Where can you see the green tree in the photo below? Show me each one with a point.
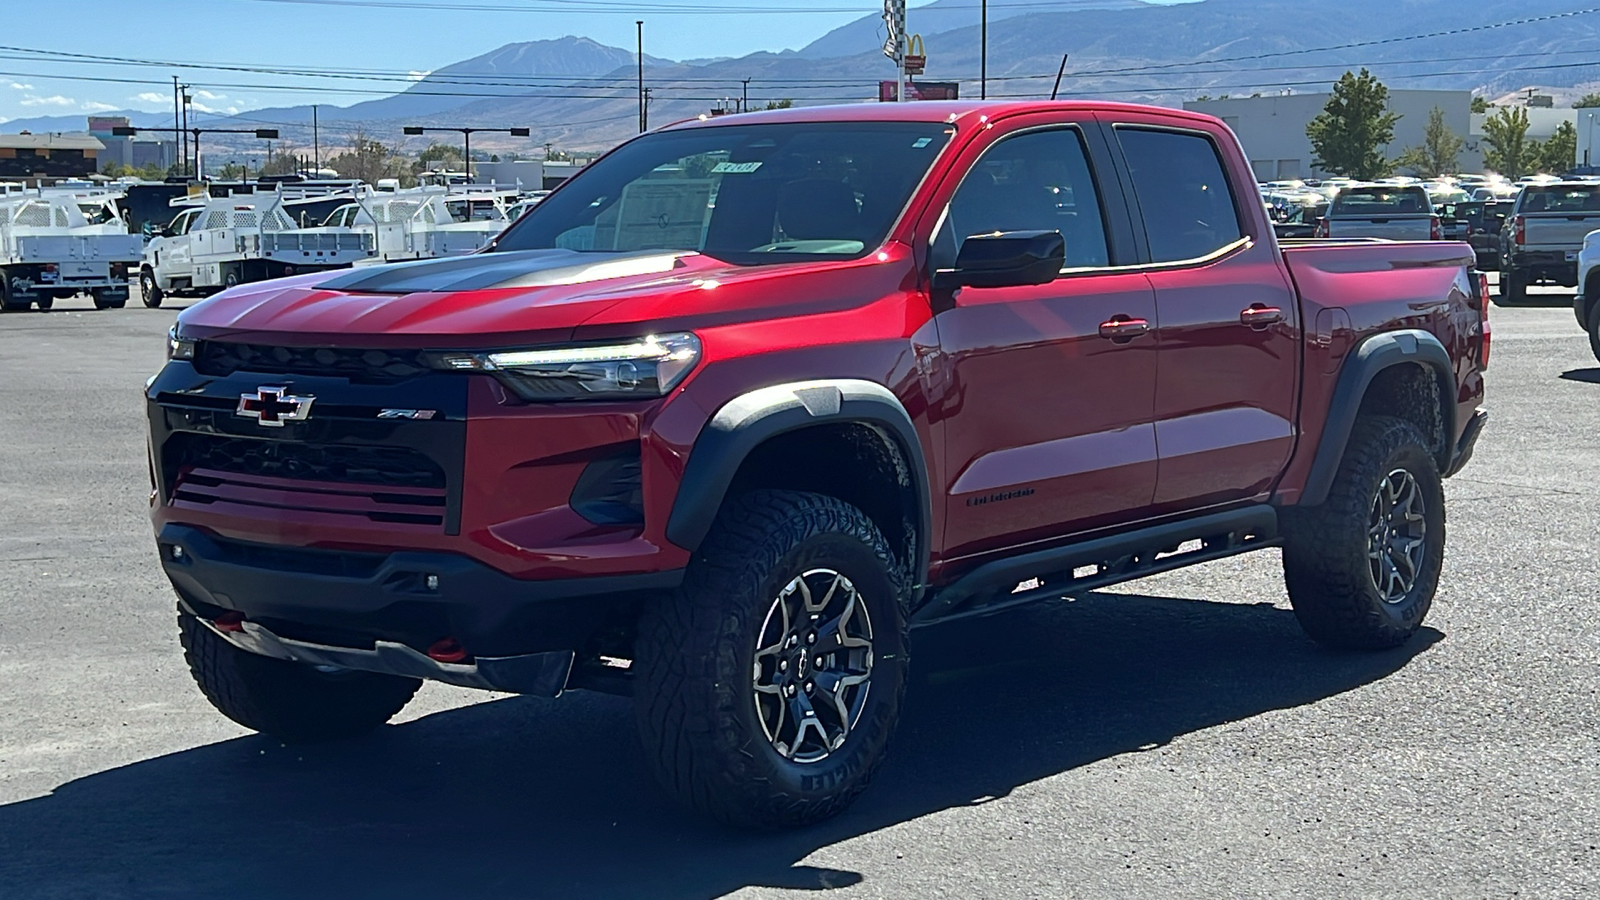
(1440, 151)
(448, 154)
(1480, 105)
(1349, 134)
(1560, 152)
(1587, 101)
(1506, 134)
(370, 160)
(779, 104)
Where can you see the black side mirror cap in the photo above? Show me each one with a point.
(1007, 259)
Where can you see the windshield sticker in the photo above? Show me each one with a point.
(919, 143)
(733, 168)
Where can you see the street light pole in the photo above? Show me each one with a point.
(263, 133)
(640, 24)
(466, 137)
(983, 52)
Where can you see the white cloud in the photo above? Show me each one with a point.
(54, 100)
(153, 97)
(214, 110)
(19, 86)
(207, 95)
(96, 106)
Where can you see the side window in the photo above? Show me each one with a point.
(1182, 191)
(1038, 181)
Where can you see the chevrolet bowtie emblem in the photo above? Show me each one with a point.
(273, 406)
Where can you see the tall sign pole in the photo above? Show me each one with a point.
(640, 25)
(894, 20)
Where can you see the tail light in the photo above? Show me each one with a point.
(1519, 229)
(1483, 319)
(1435, 229)
(51, 267)
(119, 270)
(1322, 228)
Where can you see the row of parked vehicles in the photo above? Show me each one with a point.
(62, 241)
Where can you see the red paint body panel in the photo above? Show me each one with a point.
(1010, 390)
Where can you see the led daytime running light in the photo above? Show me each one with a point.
(649, 349)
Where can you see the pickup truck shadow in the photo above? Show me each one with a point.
(1588, 376)
(526, 797)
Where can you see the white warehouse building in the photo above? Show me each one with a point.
(1272, 128)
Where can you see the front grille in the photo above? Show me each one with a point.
(343, 464)
(220, 359)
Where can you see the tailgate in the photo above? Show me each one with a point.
(80, 248)
(1546, 231)
(1408, 228)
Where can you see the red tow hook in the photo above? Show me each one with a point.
(230, 621)
(447, 650)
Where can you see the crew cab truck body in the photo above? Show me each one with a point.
(733, 410)
(1389, 211)
(237, 240)
(1543, 235)
(49, 251)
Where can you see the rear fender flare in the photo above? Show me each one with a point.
(1372, 356)
(745, 422)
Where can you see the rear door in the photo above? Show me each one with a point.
(1046, 392)
(1229, 321)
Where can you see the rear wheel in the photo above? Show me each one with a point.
(1362, 568)
(290, 701)
(104, 299)
(1513, 287)
(8, 300)
(767, 687)
(1594, 329)
(45, 302)
(149, 291)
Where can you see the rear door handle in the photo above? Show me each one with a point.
(1259, 317)
(1123, 329)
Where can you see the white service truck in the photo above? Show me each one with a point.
(421, 223)
(214, 244)
(50, 251)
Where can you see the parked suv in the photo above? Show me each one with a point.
(734, 410)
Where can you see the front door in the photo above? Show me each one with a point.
(1229, 330)
(1048, 390)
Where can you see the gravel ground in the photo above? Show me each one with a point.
(1175, 738)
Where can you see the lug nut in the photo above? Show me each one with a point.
(783, 665)
(811, 687)
(432, 582)
(811, 638)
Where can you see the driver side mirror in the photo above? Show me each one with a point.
(166, 231)
(1006, 259)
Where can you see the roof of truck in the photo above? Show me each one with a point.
(932, 111)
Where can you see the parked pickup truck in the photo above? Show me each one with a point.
(723, 419)
(1586, 304)
(1394, 212)
(1544, 234)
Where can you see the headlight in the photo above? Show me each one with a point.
(648, 367)
(178, 347)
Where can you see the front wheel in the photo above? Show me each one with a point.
(149, 291)
(767, 686)
(1594, 329)
(1363, 567)
(292, 702)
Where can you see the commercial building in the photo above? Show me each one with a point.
(134, 152)
(53, 155)
(1273, 127)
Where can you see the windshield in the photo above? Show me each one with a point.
(1381, 201)
(746, 194)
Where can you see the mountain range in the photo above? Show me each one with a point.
(576, 93)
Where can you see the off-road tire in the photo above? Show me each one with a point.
(1325, 556)
(1513, 288)
(696, 648)
(150, 292)
(289, 701)
(1594, 329)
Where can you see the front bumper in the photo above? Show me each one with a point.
(362, 601)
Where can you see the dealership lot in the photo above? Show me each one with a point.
(1179, 737)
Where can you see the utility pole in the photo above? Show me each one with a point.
(640, 24)
(644, 123)
(177, 123)
(744, 101)
(316, 144)
(183, 136)
(983, 52)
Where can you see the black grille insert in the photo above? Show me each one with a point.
(387, 466)
(220, 358)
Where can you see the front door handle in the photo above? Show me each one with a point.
(1260, 317)
(1123, 329)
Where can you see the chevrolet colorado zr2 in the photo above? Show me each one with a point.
(724, 419)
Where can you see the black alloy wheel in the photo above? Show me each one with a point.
(1397, 536)
(813, 666)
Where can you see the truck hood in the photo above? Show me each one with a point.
(489, 299)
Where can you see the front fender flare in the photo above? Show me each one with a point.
(1373, 355)
(745, 422)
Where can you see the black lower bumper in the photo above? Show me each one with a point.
(1550, 265)
(340, 599)
(1469, 442)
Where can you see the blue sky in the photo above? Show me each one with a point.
(365, 34)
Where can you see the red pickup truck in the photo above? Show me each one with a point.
(724, 418)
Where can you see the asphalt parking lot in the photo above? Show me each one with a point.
(1177, 738)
